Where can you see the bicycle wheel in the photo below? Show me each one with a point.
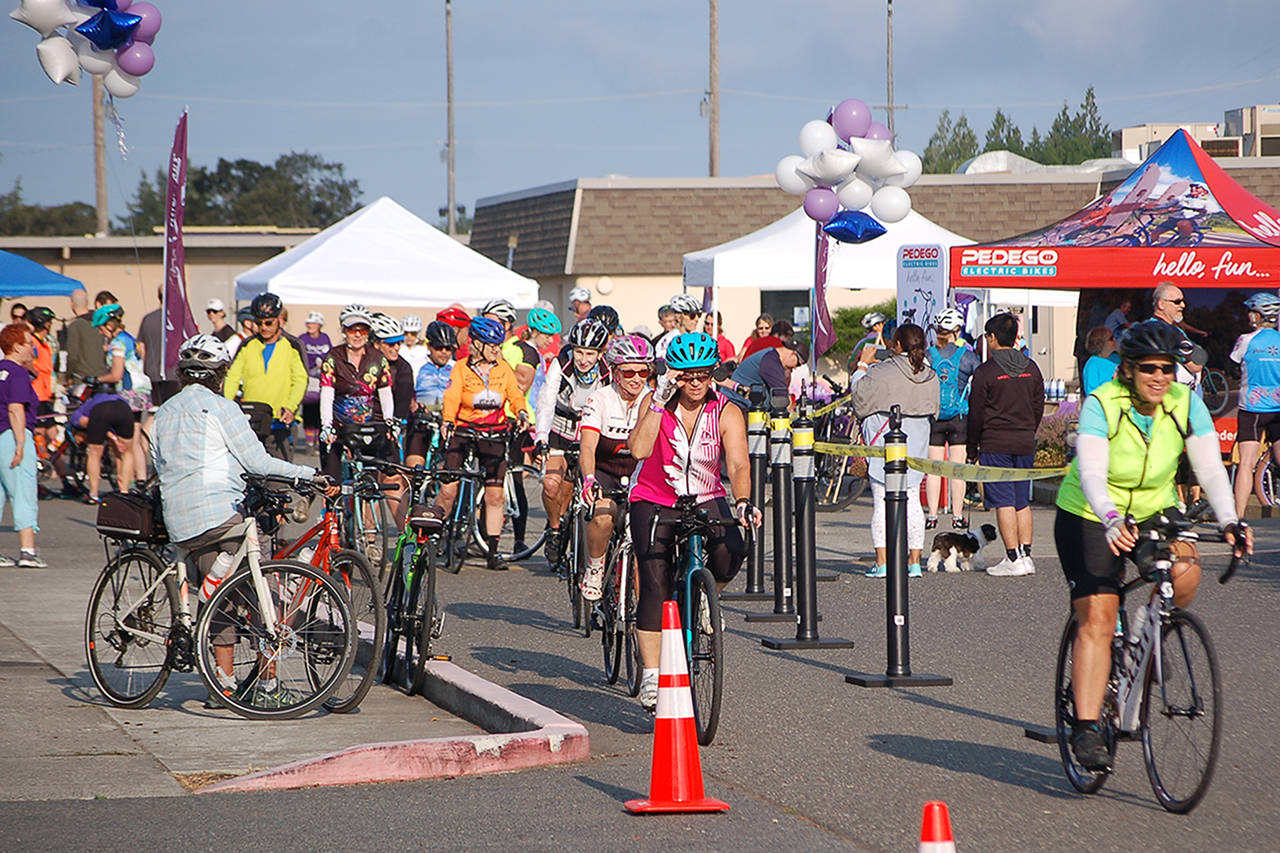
(839, 483)
(131, 615)
(1266, 478)
(1181, 717)
(630, 639)
(576, 563)
(706, 653)
(370, 616)
(457, 531)
(291, 671)
(1216, 390)
(427, 620)
(1064, 714)
(395, 598)
(611, 625)
(374, 537)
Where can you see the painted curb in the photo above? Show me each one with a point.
(523, 734)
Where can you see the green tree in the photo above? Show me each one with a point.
(17, 218)
(146, 208)
(950, 144)
(848, 327)
(1073, 138)
(1004, 135)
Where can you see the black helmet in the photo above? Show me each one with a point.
(441, 335)
(608, 316)
(265, 305)
(589, 334)
(40, 317)
(1154, 337)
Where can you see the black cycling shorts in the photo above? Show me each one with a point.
(952, 431)
(1087, 561)
(555, 441)
(111, 416)
(1252, 426)
(491, 453)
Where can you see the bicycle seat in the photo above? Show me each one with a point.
(427, 518)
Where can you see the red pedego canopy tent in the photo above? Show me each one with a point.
(1178, 217)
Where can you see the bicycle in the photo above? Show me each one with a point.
(1217, 390)
(841, 479)
(368, 528)
(290, 623)
(321, 547)
(572, 546)
(460, 528)
(1170, 675)
(615, 613)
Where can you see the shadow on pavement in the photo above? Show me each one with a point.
(479, 611)
(614, 792)
(615, 710)
(1033, 772)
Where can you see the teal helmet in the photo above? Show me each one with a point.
(106, 313)
(542, 320)
(691, 350)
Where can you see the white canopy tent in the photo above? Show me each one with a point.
(384, 255)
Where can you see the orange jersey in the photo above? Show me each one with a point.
(43, 382)
(472, 401)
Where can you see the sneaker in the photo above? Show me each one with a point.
(877, 572)
(914, 571)
(1026, 565)
(31, 560)
(1090, 748)
(519, 547)
(1007, 568)
(373, 550)
(649, 693)
(281, 697)
(494, 562)
(212, 702)
(552, 548)
(7, 561)
(92, 500)
(931, 522)
(593, 583)
(958, 523)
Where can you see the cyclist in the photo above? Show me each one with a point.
(413, 350)
(388, 338)
(1132, 431)
(1259, 413)
(124, 365)
(41, 320)
(524, 360)
(609, 416)
(544, 328)
(687, 311)
(572, 377)
(874, 324)
(481, 386)
(269, 373)
(315, 346)
(607, 315)
(433, 377)
(457, 317)
(105, 412)
(351, 375)
(202, 444)
(954, 362)
(580, 303)
(684, 434)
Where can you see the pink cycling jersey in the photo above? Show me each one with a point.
(683, 464)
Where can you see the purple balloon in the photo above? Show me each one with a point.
(123, 5)
(851, 118)
(150, 23)
(876, 131)
(820, 204)
(136, 59)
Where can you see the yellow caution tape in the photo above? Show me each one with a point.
(832, 406)
(840, 449)
(951, 470)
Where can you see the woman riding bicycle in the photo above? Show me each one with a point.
(1132, 432)
(606, 462)
(686, 430)
(480, 388)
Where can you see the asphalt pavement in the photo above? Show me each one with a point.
(805, 759)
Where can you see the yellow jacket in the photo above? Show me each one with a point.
(280, 384)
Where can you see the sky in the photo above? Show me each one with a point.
(550, 91)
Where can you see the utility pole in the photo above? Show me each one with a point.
(99, 158)
(713, 93)
(893, 135)
(451, 215)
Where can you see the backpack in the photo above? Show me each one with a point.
(953, 400)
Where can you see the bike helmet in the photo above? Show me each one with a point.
(455, 317)
(1153, 337)
(107, 312)
(386, 329)
(588, 334)
(500, 308)
(579, 294)
(202, 355)
(411, 323)
(683, 303)
(542, 320)
(692, 349)
(629, 349)
(949, 319)
(441, 335)
(354, 314)
(487, 331)
(1266, 304)
(40, 317)
(607, 315)
(315, 317)
(873, 318)
(265, 306)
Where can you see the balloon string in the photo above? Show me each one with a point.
(109, 105)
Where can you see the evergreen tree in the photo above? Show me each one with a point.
(1004, 135)
(950, 145)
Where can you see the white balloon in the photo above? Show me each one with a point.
(910, 161)
(890, 204)
(91, 60)
(43, 16)
(877, 158)
(791, 182)
(816, 136)
(855, 193)
(120, 84)
(830, 167)
(58, 59)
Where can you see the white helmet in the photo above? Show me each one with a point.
(353, 314)
(873, 318)
(315, 317)
(412, 323)
(500, 308)
(386, 329)
(579, 294)
(683, 303)
(200, 355)
(948, 319)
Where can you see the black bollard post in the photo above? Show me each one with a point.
(758, 449)
(784, 605)
(898, 629)
(806, 540)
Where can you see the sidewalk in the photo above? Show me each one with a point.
(61, 740)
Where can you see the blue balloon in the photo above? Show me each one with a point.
(109, 30)
(99, 4)
(853, 226)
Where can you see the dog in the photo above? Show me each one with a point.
(961, 552)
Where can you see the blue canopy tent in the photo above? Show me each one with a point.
(21, 276)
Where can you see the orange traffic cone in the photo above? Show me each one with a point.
(935, 831)
(675, 784)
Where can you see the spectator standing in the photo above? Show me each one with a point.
(667, 322)
(17, 313)
(85, 354)
(770, 369)
(763, 327)
(268, 369)
(1103, 359)
(150, 343)
(17, 430)
(1006, 404)
(216, 310)
(315, 346)
(954, 362)
(714, 326)
(1118, 319)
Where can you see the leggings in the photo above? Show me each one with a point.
(915, 517)
(724, 555)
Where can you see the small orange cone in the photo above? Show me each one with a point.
(935, 831)
(675, 783)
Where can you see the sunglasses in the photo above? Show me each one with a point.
(695, 376)
(625, 373)
(1177, 301)
(1152, 369)
(356, 330)
(268, 321)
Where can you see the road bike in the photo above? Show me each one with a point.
(368, 520)
(571, 545)
(1164, 688)
(287, 625)
(841, 479)
(615, 613)
(1217, 390)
